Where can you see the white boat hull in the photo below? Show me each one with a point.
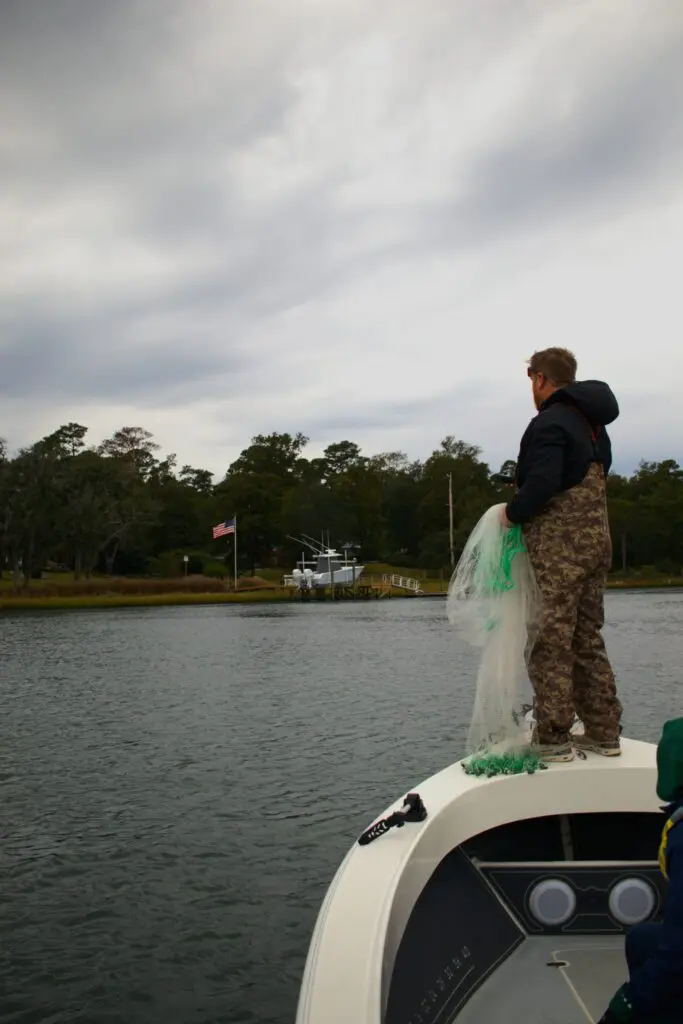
(342, 577)
(345, 576)
(352, 972)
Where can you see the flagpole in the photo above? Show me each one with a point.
(235, 545)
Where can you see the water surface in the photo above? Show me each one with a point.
(179, 785)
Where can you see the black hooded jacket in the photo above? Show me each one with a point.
(558, 446)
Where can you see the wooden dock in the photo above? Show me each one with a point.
(365, 588)
(362, 590)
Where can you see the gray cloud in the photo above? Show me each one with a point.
(78, 361)
(388, 414)
(625, 135)
(142, 136)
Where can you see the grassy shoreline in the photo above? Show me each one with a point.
(18, 602)
(10, 601)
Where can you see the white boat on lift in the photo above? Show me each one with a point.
(495, 899)
(326, 565)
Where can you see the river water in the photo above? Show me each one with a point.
(179, 785)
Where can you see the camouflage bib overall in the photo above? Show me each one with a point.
(570, 549)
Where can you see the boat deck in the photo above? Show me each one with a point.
(526, 989)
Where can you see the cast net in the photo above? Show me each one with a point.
(492, 600)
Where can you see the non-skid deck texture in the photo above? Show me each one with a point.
(525, 990)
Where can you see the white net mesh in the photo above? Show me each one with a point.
(492, 600)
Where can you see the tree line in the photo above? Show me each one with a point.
(119, 507)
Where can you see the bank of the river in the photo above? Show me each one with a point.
(60, 602)
(12, 602)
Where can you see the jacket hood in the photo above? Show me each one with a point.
(594, 398)
(670, 762)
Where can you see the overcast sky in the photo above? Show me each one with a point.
(351, 218)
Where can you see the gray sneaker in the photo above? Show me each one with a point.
(605, 749)
(553, 752)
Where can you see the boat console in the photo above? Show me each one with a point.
(554, 895)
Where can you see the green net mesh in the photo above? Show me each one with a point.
(512, 544)
(501, 579)
(513, 763)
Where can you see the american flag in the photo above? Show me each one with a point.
(223, 529)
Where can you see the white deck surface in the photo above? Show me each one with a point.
(525, 989)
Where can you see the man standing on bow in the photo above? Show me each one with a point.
(560, 500)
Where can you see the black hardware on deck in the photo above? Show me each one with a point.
(413, 810)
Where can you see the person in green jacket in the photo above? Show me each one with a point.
(654, 952)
